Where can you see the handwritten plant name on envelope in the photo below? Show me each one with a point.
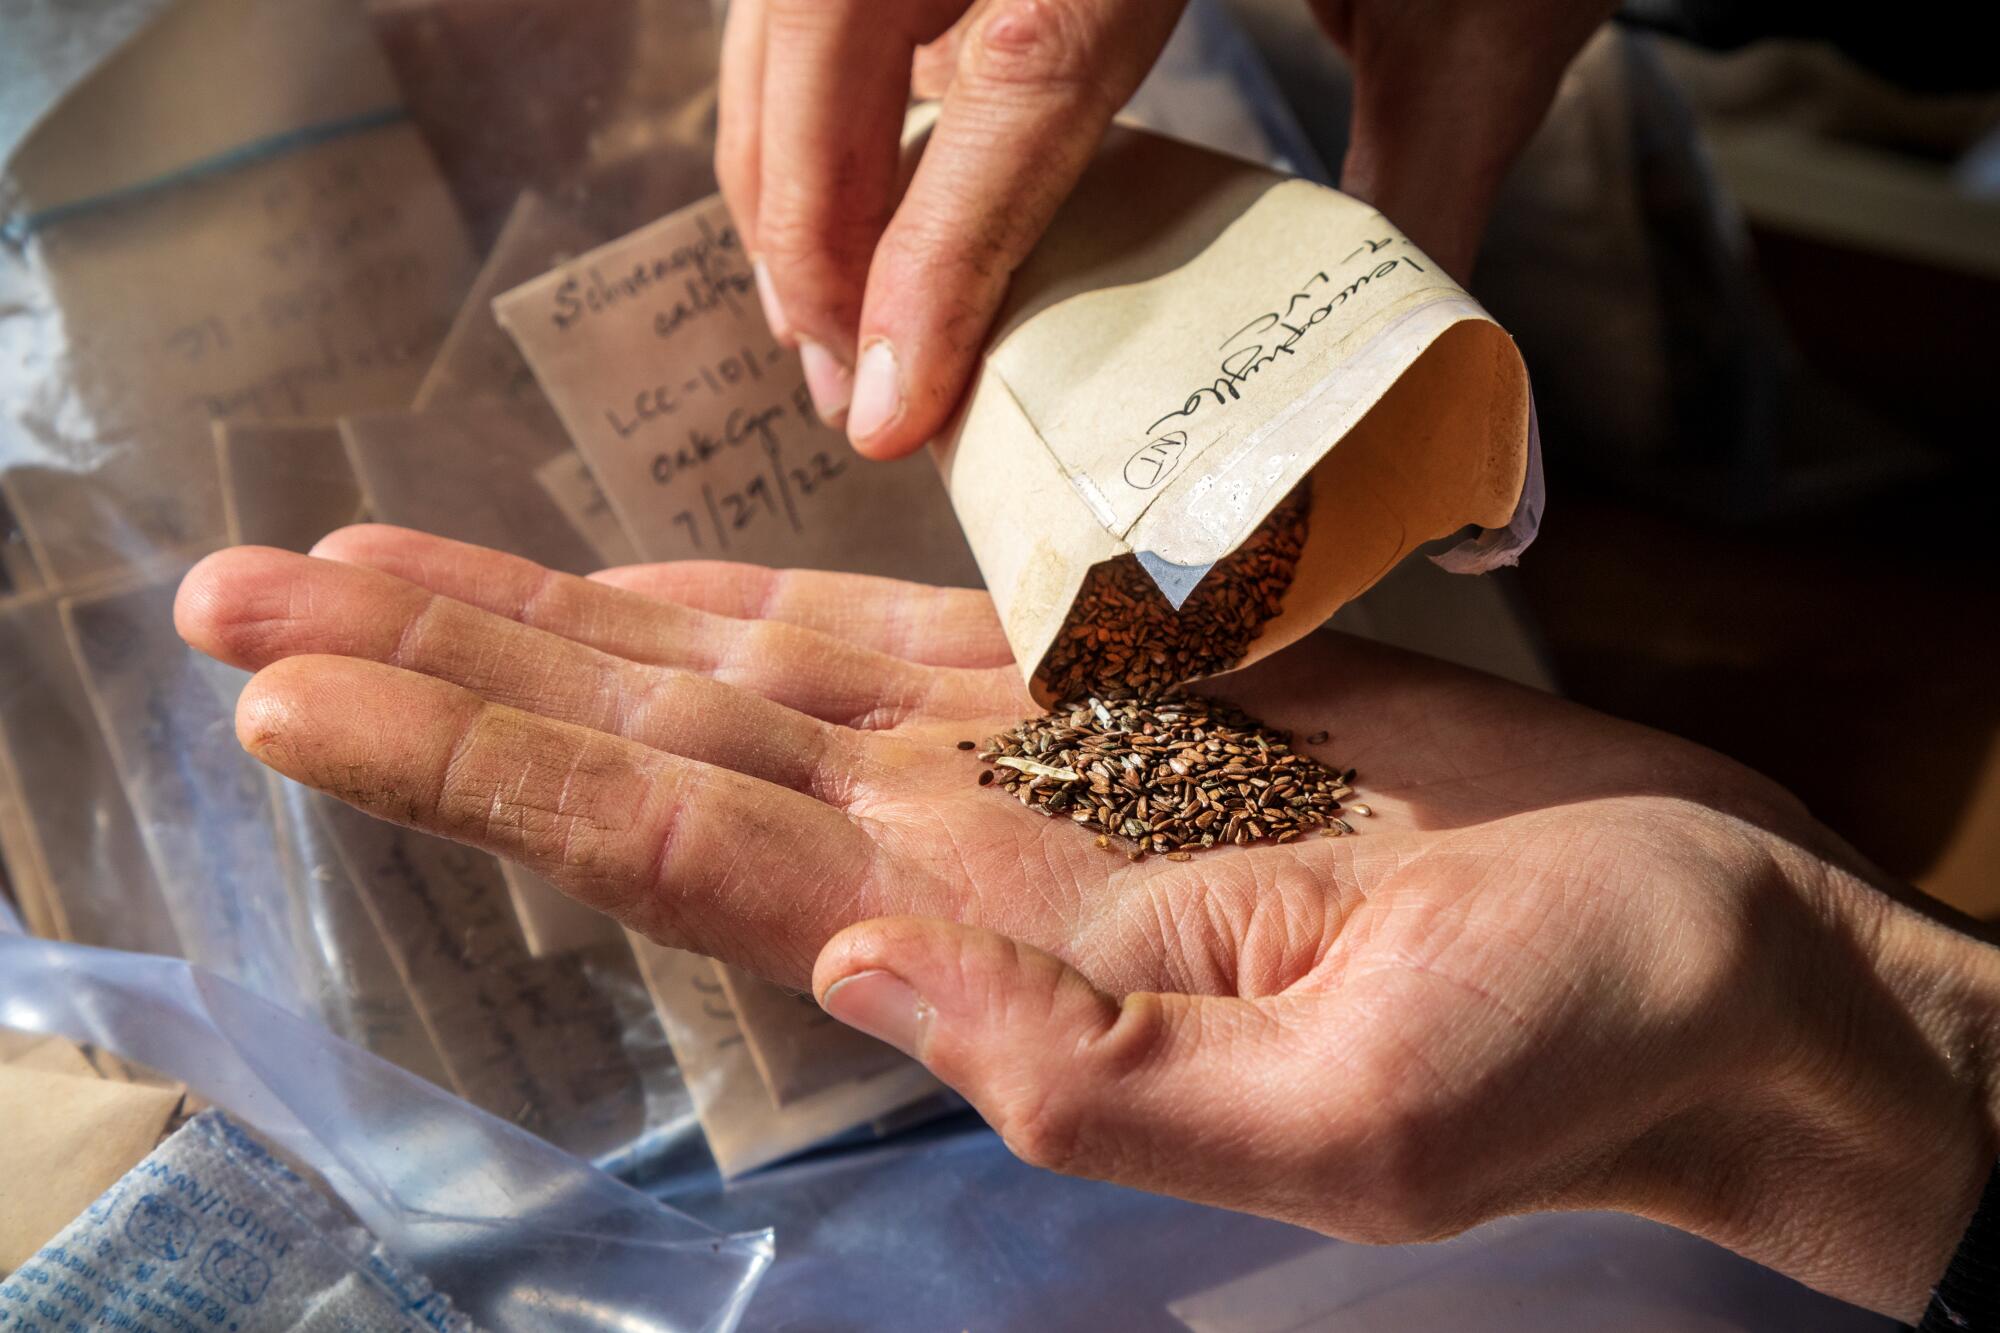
(699, 426)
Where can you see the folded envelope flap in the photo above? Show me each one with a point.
(1031, 533)
(1443, 446)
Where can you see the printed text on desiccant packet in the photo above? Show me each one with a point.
(212, 1233)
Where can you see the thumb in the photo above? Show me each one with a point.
(1192, 1096)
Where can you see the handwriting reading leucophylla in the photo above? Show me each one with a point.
(1278, 333)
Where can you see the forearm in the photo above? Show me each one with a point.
(1852, 1153)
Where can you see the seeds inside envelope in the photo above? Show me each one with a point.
(1129, 753)
(1124, 637)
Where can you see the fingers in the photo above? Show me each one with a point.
(788, 664)
(1441, 109)
(1035, 84)
(685, 853)
(251, 607)
(1199, 1097)
(835, 83)
(739, 111)
(954, 627)
(930, 72)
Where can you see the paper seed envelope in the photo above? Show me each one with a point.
(1194, 337)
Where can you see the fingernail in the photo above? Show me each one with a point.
(878, 392)
(829, 380)
(767, 296)
(880, 1004)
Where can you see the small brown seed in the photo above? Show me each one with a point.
(1165, 773)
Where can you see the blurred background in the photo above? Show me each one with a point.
(1759, 293)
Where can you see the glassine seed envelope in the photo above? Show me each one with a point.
(1194, 337)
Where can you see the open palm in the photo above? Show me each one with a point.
(1507, 990)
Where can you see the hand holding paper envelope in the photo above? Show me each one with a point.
(887, 285)
(1194, 337)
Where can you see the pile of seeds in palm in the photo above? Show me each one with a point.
(1150, 767)
(1173, 775)
(1124, 637)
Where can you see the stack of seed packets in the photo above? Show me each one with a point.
(702, 440)
(279, 249)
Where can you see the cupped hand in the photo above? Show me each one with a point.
(888, 287)
(1566, 963)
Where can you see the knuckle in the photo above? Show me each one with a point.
(1404, 1163)
(1044, 1128)
(1032, 45)
(818, 264)
(758, 644)
(804, 227)
(783, 18)
(640, 704)
(1133, 1040)
(1054, 1125)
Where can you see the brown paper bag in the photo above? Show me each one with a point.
(515, 94)
(21, 880)
(70, 1134)
(798, 1047)
(467, 470)
(285, 484)
(477, 358)
(537, 1041)
(1193, 339)
(76, 839)
(19, 573)
(201, 803)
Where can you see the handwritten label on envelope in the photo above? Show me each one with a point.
(746, 1128)
(1192, 339)
(699, 426)
(229, 218)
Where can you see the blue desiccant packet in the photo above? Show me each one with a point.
(213, 1232)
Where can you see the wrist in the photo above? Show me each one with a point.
(1849, 1144)
(1948, 984)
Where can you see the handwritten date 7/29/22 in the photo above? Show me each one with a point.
(775, 492)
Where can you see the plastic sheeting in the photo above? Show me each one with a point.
(520, 1235)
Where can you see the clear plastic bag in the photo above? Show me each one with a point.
(945, 1229)
(197, 310)
(520, 1235)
